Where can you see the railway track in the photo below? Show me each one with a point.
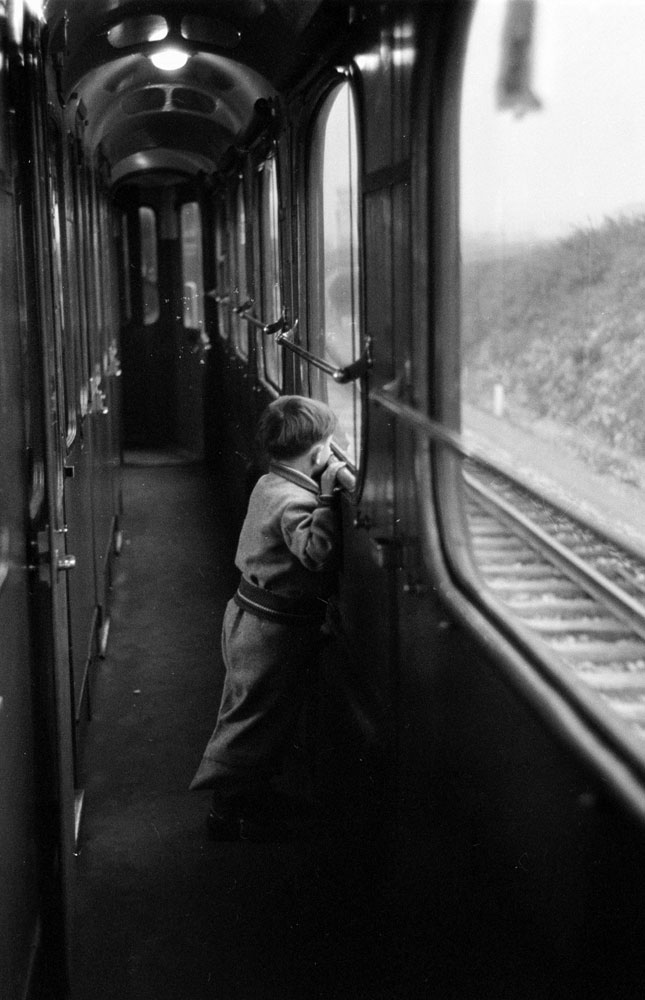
(582, 594)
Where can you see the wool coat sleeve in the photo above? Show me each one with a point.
(311, 534)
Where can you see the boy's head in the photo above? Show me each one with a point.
(292, 425)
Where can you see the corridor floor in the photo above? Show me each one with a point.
(162, 912)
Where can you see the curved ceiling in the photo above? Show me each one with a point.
(239, 54)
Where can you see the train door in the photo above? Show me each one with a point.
(21, 489)
(46, 428)
(163, 338)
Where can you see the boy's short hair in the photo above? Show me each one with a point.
(291, 425)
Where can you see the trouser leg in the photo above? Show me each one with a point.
(267, 677)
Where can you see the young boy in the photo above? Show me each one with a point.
(287, 555)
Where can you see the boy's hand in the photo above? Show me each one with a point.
(335, 472)
(346, 479)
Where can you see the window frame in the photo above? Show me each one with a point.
(515, 654)
(270, 354)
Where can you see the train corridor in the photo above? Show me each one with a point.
(161, 911)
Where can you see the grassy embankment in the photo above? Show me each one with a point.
(561, 326)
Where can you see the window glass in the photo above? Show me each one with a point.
(335, 323)
(191, 265)
(271, 304)
(64, 339)
(221, 281)
(79, 267)
(552, 210)
(107, 277)
(149, 271)
(98, 258)
(72, 299)
(240, 284)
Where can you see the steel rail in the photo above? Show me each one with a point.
(622, 604)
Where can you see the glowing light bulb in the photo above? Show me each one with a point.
(169, 59)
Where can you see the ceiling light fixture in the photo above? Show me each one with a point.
(169, 58)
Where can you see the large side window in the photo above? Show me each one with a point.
(240, 282)
(552, 216)
(333, 221)
(191, 264)
(80, 242)
(149, 269)
(73, 301)
(221, 277)
(66, 333)
(271, 301)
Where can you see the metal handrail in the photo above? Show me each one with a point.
(283, 332)
(242, 311)
(350, 373)
(425, 425)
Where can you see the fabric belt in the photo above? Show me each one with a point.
(277, 608)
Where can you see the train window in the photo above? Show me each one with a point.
(107, 276)
(137, 31)
(221, 281)
(98, 333)
(73, 347)
(552, 213)
(73, 300)
(239, 278)
(64, 339)
(125, 261)
(271, 302)
(191, 262)
(334, 301)
(79, 268)
(149, 272)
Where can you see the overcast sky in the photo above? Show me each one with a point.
(582, 157)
